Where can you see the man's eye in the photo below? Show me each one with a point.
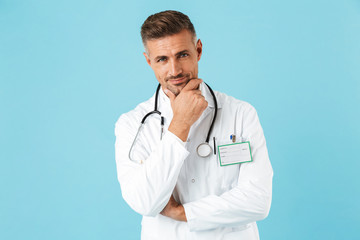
(161, 59)
(184, 55)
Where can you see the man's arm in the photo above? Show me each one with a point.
(147, 187)
(249, 201)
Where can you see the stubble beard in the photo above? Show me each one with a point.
(176, 89)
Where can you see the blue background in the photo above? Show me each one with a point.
(68, 69)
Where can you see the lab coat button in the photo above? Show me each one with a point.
(192, 180)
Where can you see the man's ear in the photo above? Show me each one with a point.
(199, 49)
(147, 58)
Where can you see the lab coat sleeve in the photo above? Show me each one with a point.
(250, 199)
(147, 187)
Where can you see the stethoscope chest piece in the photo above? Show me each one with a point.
(204, 150)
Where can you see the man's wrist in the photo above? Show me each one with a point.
(180, 129)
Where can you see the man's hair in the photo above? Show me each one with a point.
(165, 24)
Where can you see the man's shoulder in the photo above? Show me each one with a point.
(227, 101)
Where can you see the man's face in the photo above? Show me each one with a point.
(174, 59)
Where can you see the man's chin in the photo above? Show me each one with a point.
(177, 89)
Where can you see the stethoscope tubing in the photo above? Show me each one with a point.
(156, 111)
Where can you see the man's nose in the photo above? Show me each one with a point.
(175, 68)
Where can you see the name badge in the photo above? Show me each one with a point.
(234, 153)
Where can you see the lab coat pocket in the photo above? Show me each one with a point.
(229, 174)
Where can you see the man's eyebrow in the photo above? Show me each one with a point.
(182, 52)
(160, 57)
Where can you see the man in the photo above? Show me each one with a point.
(180, 194)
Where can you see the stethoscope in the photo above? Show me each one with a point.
(203, 150)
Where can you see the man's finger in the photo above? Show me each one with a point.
(197, 92)
(169, 94)
(193, 84)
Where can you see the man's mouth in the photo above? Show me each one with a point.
(179, 81)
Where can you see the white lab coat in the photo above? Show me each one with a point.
(220, 202)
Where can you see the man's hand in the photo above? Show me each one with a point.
(174, 210)
(187, 108)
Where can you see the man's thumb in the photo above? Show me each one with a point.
(170, 94)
